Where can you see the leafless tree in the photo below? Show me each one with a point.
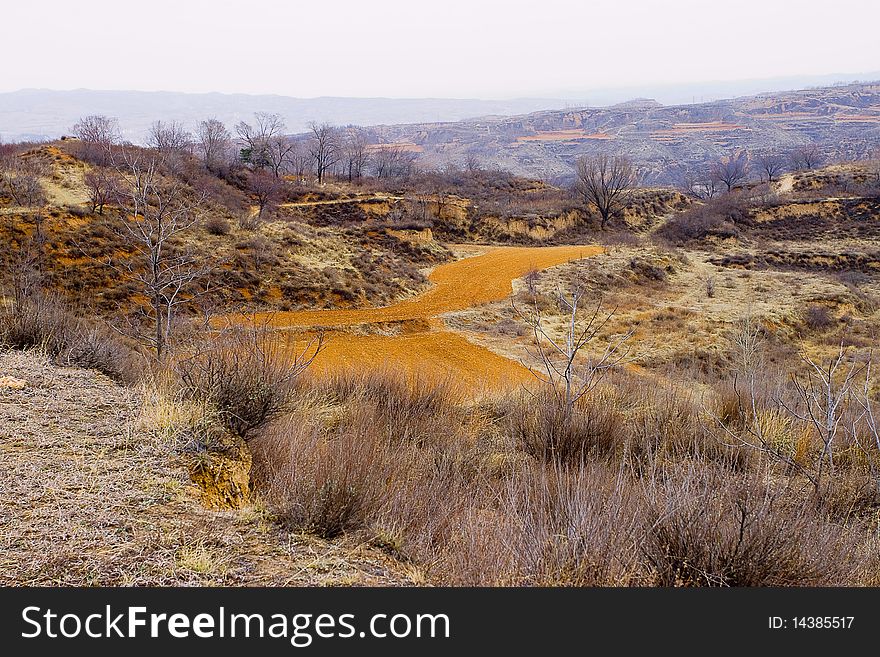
(605, 183)
(698, 185)
(393, 161)
(324, 148)
(258, 142)
(169, 139)
(561, 370)
(97, 134)
(825, 392)
(750, 430)
(472, 164)
(266, 190)
(354, 155)
(824, 395)
(805, 157)
(214, 143)
(20, 179)
(870, 422)
(770, 165)
(300, 159)
(158, 211)
(281, 150)
(102, 185)
(731, 170)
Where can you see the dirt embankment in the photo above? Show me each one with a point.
(86, 499)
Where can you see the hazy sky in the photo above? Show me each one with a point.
(411, 48)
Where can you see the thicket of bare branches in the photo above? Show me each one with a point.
(731, 171)
(605, 183)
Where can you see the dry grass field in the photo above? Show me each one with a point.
(417, 447)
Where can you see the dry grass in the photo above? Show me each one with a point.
(493, 496)
(93, 496)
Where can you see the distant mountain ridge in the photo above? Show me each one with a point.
(844, 120)
(42, 113)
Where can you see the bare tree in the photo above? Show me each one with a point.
(281, 152)
(731, 170)
(354, 155)
(266, 190)
(158, 211)
(472, 164)
(214, 143)
(98, 134)
(825, 392)
(102, 185)
(324, 148)
(805, 157)
(870, 422)
(699, 185)
(169, 139)
(393, 161)
(300, 159)
(605, 183)
(561, 370)
(770, 165)
(257, 141)
(20, 179)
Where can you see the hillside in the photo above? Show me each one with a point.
(844, 121)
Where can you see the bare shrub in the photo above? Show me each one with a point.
(719, 217)
(217, 225)
(544, 427)
(706, 530)
(549, 526)
(43, 322)
(353, 476)
(817, 317)
(248, 375)
(405, 408)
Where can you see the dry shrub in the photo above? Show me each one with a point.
(633, 492)
(406, 408)
(542, 426)
(248, 375)
(817, 317)
(328, 478)
(218, 225)
(44, 323)
(549, 525)
(710, 529)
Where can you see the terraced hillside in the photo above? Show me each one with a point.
(843, 120)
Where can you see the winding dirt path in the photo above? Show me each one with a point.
(423, 344)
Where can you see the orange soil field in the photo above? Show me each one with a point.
(431, 349)
(563, 135)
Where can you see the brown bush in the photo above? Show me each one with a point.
(544, 428)
(218, 225)
(634, 491)
(548, 525)
(247, 375)
(44, 323)
(706, 529)
(817, 317)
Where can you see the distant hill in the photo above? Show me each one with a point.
(42, 114)
(844, 120)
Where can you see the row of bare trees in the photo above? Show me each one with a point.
(262, 145)
(736, 169)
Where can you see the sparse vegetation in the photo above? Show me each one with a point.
(713, 427)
